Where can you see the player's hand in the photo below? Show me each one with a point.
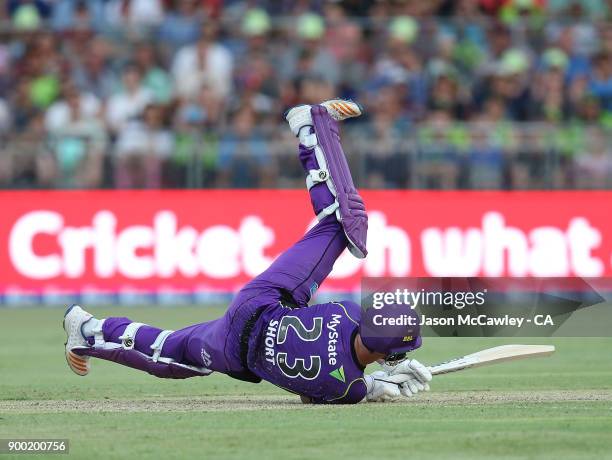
(412, 386)
(419, 373)
(404, 379)
(381, 387)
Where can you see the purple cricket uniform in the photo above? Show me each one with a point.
(307, 350)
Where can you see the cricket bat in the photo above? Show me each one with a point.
(492, 356)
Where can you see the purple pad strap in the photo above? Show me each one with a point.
(353, 216)
(140, 361)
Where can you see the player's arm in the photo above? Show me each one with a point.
(405, 379)
(355, 392)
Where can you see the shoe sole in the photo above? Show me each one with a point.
(344, 106)
(77, 364)
(340, 105)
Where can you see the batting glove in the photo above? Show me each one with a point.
(382, 388)
(419, 375)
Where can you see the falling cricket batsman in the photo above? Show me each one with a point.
(269, 331)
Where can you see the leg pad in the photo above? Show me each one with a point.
(333, 169)
(163, 367)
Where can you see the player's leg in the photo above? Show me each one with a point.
(163, 353)
(326, 167)
(300, 270)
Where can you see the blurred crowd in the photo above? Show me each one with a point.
(190, 93)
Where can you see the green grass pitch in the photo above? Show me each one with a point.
(556, 407)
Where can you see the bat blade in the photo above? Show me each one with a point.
(492, 356)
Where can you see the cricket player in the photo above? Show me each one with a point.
(269, 332)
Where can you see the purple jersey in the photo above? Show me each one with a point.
(309, 351)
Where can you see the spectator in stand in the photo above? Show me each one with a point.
(438, 157)
(549, 102)
(93, 71)
(22, 106)
(70, 15)
(41, 7)
(198, 124)
(130, 101)
(485, 162)
(142, 147)
(134, 13)
(32, 165)
(154, 77)
(149, 134)
(255, 35)
(45, 66)
(344, 37)
(445, 93)
(594, 167)
(205, 62)
(204, 111)
(511, 83)
(28, 14)
(562, 38)
(600, 84)
(181, 24)
(71, 105)
(255, 75)
(386, 156)
(313, 87)
(582, 105)
(244, 157)
(399, 64)
(309, 55)
(498, 41)
(78, 138)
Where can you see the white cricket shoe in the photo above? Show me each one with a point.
(341, 109)
(74, 318)
(338, 109)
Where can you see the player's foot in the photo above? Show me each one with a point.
(338, 109)
(74, 318)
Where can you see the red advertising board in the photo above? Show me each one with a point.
(216, 240)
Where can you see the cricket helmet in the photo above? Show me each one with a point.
(392, 330)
